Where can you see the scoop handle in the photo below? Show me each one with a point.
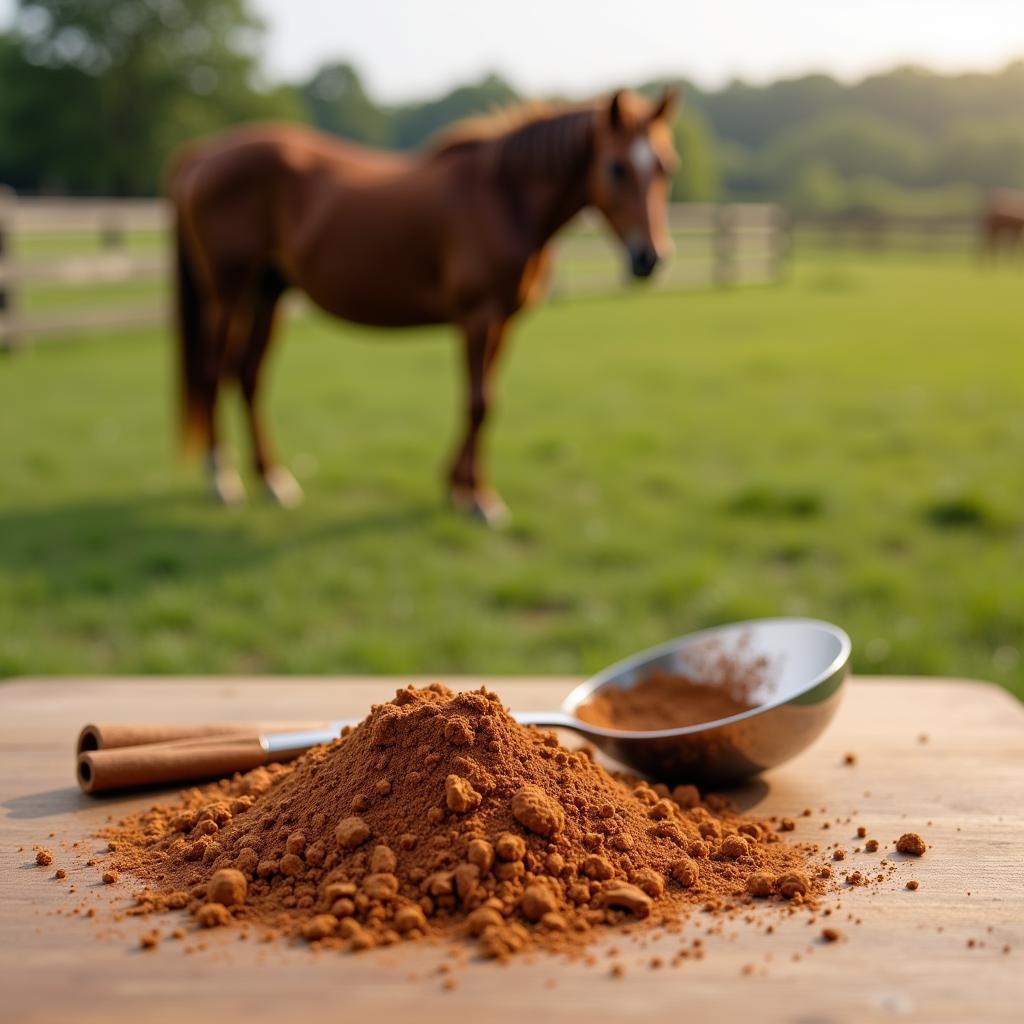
(549, 720)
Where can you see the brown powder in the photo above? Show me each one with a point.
(485, 828)
(661, 701)
(721, 680)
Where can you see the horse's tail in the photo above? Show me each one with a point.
(191, 357)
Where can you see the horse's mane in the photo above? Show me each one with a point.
(527, 133)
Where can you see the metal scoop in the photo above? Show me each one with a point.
(794, 700)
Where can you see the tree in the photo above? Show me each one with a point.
(696, 178)
(853, 143)
(989, 153)
(816, 188)
(417, 123)
(338, 103)
(107, 88)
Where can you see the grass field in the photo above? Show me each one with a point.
(849, 445)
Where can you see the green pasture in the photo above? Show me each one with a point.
(847, 445)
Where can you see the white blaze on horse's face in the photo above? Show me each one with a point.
(643, 157)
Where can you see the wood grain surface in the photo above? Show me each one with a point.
(908, 958)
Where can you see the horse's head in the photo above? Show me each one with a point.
(629, 176)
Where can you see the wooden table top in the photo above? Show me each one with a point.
(962, 788)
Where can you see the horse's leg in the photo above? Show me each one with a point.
(484, 338)
(281, 486)
(222, 328)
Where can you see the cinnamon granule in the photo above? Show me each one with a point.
(44, 858)
(486, 829)
(911, 843)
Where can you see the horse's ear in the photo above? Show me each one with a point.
(667, 104)
(615, 111)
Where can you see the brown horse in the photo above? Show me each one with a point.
(1002, 221)
(458, 234)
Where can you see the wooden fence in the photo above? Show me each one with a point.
(52, 251)
(866, 232)
(55, 252)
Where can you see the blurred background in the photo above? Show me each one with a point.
(817, 409)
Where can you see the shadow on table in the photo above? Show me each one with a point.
(746, 797)
(70, 800)
(47, 804)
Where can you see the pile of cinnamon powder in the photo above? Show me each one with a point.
(440, 816)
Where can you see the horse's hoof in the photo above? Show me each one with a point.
(227, 487)
(481, 504)
(282, 488)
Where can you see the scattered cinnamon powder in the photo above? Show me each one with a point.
(486, 828)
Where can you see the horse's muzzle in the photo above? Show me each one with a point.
(642, 260)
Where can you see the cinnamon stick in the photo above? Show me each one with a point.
(154, 763)
(109, 735)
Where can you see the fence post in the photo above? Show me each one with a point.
(8, 333)
(782, 244)
(111, 231)
(725, 245)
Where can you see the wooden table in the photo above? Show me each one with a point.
(963, 789)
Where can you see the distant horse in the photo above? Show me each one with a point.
(1002, 221)
(458, 234)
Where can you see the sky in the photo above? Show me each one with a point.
(409, 49)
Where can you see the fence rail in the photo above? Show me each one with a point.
(876, 233)
(53, 251)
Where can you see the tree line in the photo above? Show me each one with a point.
(96, 94)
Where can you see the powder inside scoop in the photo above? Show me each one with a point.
(661, 702)
(719, 681)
